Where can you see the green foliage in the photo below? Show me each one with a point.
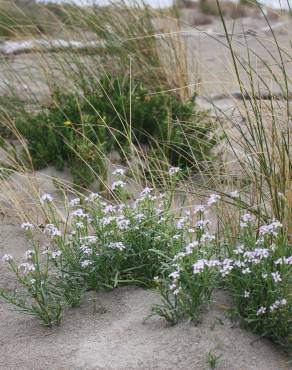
(213, 359)
(81, 131)
(36, 293)
(260, 281)
(188, 283)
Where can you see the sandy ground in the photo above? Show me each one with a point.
(109, 332)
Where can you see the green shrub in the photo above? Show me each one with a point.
(80, 131)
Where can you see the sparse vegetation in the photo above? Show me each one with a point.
(134, 100)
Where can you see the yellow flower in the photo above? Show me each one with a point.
(67, 123)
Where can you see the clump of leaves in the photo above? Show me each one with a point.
(81, 130)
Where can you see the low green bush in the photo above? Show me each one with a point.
(80, 131)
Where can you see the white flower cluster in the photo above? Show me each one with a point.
(200, 265)
(278, 303)
(213, 198)
(27, 267)
(52, 230)
(74, 202)
(79, 213)
(275, 306)
(7, 258)
(119, 172)
(118, 185)
(245, 220)
(270, 229)
(27, 226)
(92, 197)
(174, 276)
(46, 198)
(173, 171)
(117, 245)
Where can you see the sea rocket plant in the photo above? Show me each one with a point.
(102, 244)
(260, 279)
(142, 241)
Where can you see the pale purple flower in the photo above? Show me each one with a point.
(226, 267)
(52, 230)
(27, 267)
(74, 202)
(245, 220)
(173, 170)
(86, 263)
(146, 192)
(79, 225)
(270, 229)
(109, 209)
(122, 223)
(117, 245)
(213, 198)
(202, 224)
(79, 213)
(56, 254)
(277, 304)
(246, 294)
(27, 226)
(200, 209)
(90, 239)
(190, 247)
(199, 266)
(118, 185)
(234, 194)
(46, 198)
(29, 253)
(239, 249)
(119, 172)
(276, 277)
(261, 311)
(177, 291)
(92, 197)
(174, 275)
(86, 250)
(7, 258)
(139, 217)
(212, 263)
(181, 223)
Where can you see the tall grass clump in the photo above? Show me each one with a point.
(257, 241)
(29, 19)
(133, 96)
(260, 139)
